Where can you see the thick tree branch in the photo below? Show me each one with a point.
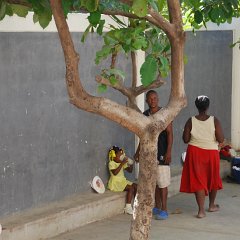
(177, 98)
(161, 22)
(174, 9)
(128, 92)
(118, 85)
(78, 96)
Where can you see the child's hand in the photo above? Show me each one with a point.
(125, 160)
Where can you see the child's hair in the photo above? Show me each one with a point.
(112, 152)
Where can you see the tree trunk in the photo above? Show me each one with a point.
(147, 128)
(144, 199)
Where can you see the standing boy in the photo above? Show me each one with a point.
(165, 141)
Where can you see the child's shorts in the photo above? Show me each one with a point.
(163, 176)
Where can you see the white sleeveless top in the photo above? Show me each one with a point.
(203, 134)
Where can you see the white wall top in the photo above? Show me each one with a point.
(77, 23)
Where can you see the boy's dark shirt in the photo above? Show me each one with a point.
(162, 142)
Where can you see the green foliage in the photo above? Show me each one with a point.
(148, 70)
(3, 6)
(199, 12)
(123, 40)
(10, 9)
(134, 34)
(90, 5)
(115, 72)
(94, 18)
(102, 88)
(42, 12)
(103, 53)
(112, 75)
(21, 11)
(113, 5)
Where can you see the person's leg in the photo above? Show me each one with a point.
(163, 198)
(163, 183)
(212, 206)
(134, 185)
(200, 198)
(130, 191)
(158, 203)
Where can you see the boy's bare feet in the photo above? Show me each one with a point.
(214, 208)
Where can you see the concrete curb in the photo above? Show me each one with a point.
(60, 217)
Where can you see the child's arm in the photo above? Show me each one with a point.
(117, 170)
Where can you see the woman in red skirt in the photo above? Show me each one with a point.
(201, 174)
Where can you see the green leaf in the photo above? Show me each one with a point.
(35, 18)
(140, 7)
(102, 88)
(20, 10)
(90, 5)
(44, 19)
(100, 27)
(167, 47)
(84, 36)
(214, 14)
(198, 17)
(114, 71)
(9, 10)
(153, 5)
(66, 7)
(103, 53)
(164, 66)
(164, 74)
(139, 43)
(117, 20)
(161, 4)
(157, 47)
(94, 18)
(164, 61)
(76, 4)
(235, 3)
(3, 6)
(195, 3)
(113, 80)
(148, 70)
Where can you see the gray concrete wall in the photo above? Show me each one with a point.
(48, 148)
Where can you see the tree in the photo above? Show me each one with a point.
(154, 26)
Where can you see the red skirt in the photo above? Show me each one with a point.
(201, 171)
